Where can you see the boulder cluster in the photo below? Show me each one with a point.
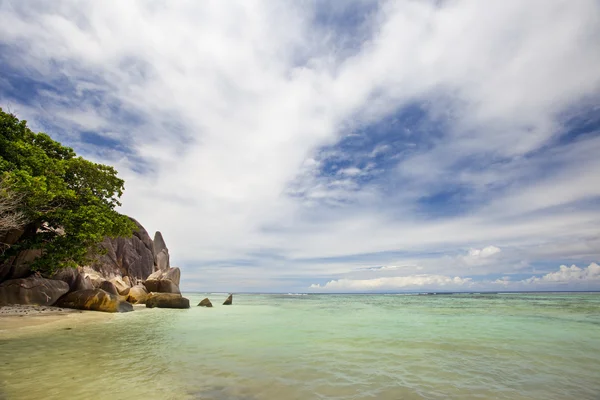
(133, 270)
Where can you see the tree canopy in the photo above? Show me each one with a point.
(69, 201)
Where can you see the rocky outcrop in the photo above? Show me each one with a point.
(164, 281)
(94, 300)
(167, 300)
(229, 300)
(129, 269)
(161, 253)
(109, 287)
(132, 257)
(137, 295)
(32, 290)
(205, 303)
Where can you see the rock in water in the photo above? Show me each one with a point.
(229, 300)
(109, 287)
(95, 300)
(161, 281)
(205, 303)
(137, 295)
(167, 300)
(32, 290)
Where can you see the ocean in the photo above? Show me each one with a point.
(266, 347)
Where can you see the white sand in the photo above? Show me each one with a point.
(18, 320)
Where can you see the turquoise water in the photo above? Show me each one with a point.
(504, 346)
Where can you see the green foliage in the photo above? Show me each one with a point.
(70, 201)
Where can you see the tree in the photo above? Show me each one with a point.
(69, 201)
(10, 216)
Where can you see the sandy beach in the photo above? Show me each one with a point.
(18, 320)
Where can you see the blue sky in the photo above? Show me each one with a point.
(332, 146)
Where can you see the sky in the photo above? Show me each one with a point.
(332, 146)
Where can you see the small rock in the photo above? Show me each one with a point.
(205, 303)
(229, 300)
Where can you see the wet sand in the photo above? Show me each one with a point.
(19, 320)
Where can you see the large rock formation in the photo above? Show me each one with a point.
(32, 290)
(95, 300)
(167, 300)
(228, 301)
(132, 257)
(164, 281)
(161, 253)
(205, 303)
(129, 269)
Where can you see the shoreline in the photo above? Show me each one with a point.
(21, 320)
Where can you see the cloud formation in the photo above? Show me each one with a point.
(566, 278)
(295, 142)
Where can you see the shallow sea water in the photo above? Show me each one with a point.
(266, 347)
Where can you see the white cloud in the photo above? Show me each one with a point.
(566, 278)
(225, 107)
(567, 275)
(480, 256)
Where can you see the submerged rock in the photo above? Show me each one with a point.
(95, 300)
(32, 290)
(205, 303)
(137, 295)
(229, 300)
(167, 300)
